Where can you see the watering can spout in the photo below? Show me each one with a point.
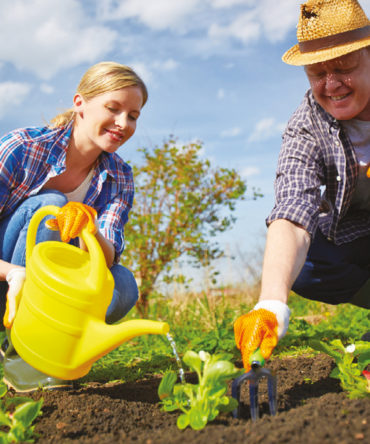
(101, 338)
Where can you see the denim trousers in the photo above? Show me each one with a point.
(334, 274)
(13, 233)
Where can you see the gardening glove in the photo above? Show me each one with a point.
(15, 279)
(71, 219)
(261, 328)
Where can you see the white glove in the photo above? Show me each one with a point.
(280, 310)
(15, 279)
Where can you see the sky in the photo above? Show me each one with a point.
(212, 67)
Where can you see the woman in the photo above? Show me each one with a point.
(71, 164)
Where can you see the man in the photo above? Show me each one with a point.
(318, 244)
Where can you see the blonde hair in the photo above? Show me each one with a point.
(101, 78)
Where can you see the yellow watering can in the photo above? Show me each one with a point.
(60, 325)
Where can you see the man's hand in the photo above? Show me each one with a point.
(71, 219)
(15, 279)
(261, 328)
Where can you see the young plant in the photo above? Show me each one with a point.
(200, 402)
(351, 364)
(16, 424)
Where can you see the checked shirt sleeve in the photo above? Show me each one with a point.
(10, 155)
(113, 219)
(113, 205)
(300, 173)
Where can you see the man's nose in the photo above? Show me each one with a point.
(333, 81)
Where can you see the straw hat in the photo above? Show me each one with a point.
(328, 29)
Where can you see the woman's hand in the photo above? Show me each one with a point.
(72, 218)
(15, 278)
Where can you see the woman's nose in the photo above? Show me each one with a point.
(122, 120)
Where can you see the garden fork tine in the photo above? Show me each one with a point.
(253, 376)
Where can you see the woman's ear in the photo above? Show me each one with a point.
(78, 103)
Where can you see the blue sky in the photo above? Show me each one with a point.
(213, 69)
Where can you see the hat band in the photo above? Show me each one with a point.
(334, 40)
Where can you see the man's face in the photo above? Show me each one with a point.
(342, 85)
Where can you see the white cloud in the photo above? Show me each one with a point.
(232, 132)
(44, 36)
(366, 6)
(148, 70)
(158, 15)
(266, 129)
(46, 88)
(243, 20)
(11, 94)
(143, 70)
(278, 17)
(245, 28)
(221, 94)
(271, 18)
(250, 171)
(230, 3)
(165, 65)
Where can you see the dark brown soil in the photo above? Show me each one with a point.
(312, 408)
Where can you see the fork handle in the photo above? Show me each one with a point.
(256, 359)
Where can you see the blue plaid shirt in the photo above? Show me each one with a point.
(29, 157)
(317, 155)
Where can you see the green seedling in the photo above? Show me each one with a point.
(16, 417)
(351, 363)
(202, 402)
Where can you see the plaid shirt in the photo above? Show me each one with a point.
(316, 154)
(29, 157)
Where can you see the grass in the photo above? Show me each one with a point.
(205, 322)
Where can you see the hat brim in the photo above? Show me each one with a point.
(295, 57)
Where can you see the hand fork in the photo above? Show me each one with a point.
(253, 376)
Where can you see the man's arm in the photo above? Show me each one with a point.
(285, 254)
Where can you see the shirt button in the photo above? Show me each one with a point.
(336, 143)
(339, 178)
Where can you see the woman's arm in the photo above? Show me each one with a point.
(5, 267)
(107, 247)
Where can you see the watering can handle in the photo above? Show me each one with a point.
(96, 277)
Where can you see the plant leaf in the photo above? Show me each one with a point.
(4, 419)
(3, 389)
(193, 360)
(197, 419)
(27, 412)
(166, 385)
(325, 348)
(183, 421)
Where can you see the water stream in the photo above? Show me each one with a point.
(177, 357)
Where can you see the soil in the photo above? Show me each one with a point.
(312, 408)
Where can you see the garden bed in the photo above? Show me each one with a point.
(312, 408)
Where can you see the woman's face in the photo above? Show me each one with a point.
(108, 120)
(342, 85)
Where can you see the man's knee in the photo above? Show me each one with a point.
(362, 297)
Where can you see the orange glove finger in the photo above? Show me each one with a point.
(52, 224)
(256, 329)
(71, 222)
(72, 218)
